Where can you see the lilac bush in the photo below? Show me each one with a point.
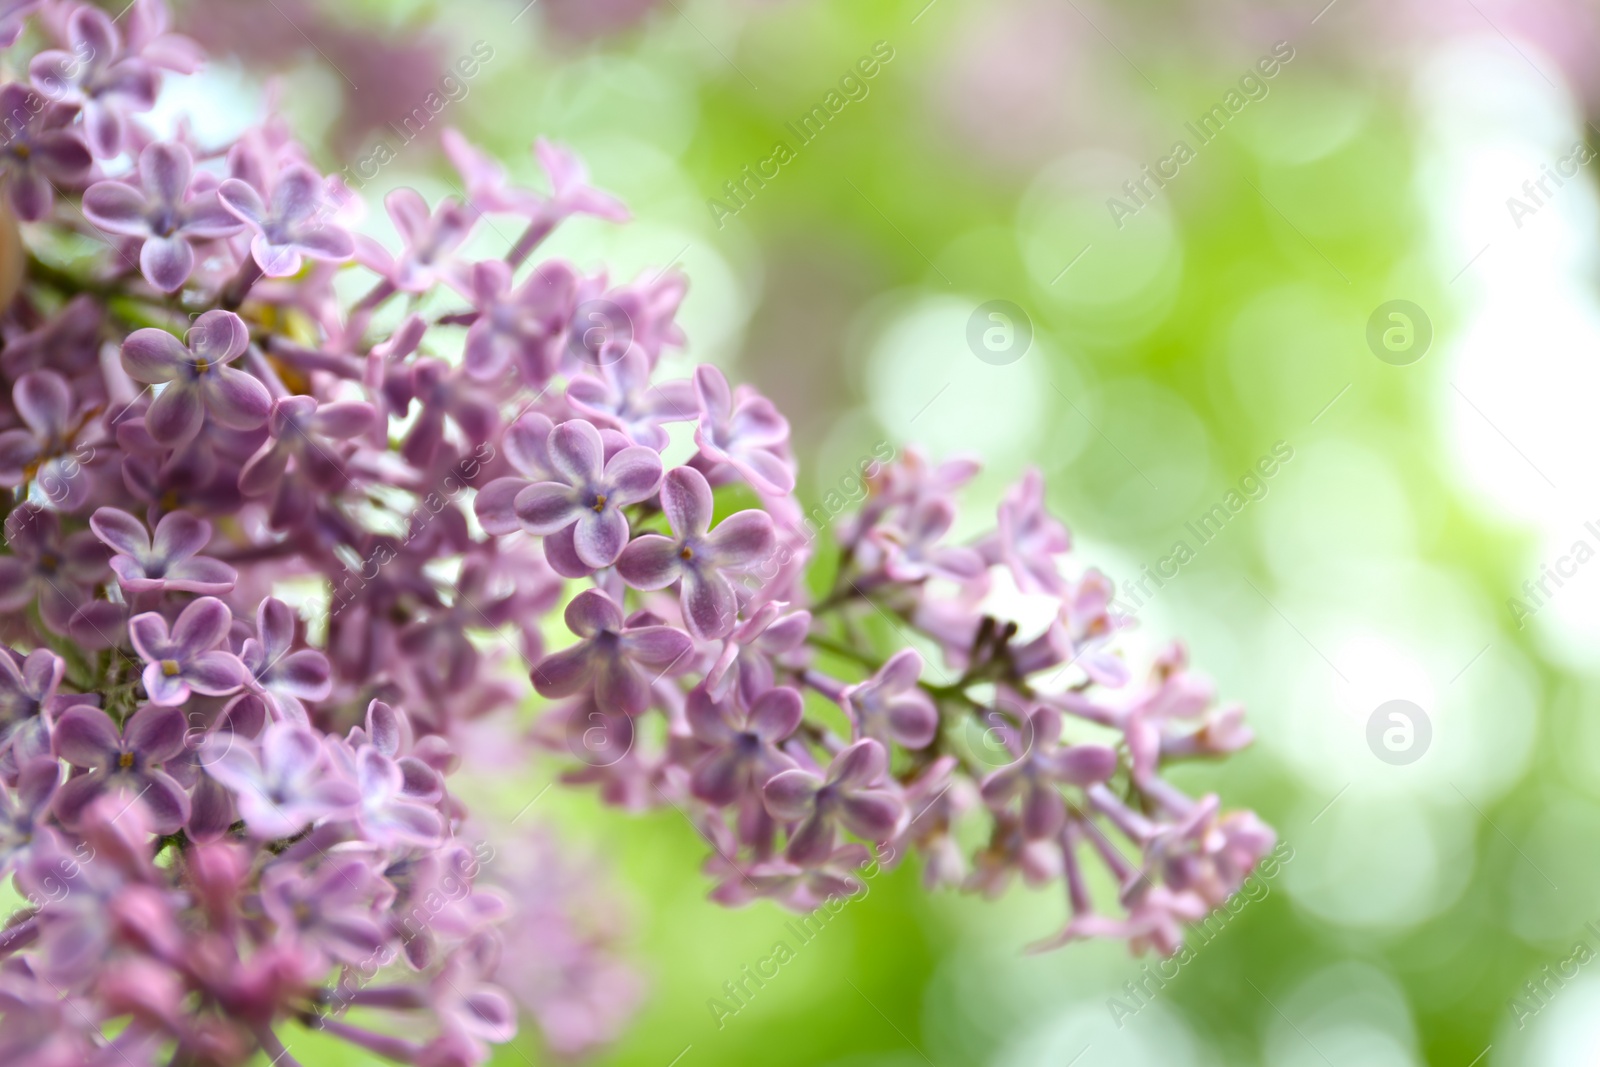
(228, 807)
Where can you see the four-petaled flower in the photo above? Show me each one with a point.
(744, 751)
(580, 514)
(58, 572)
(610, 656)
(187, 659)
(306, 433)
(168, 561)
(743, 430)
(45, 453)
(37, 153)
(292, 227)
(696, 555)
(162, 210)
(197, 377)
(98, 76)
(283, 676)
(855, 795)
(283, 782)
(890, 706)
(129, 758)
(1042, 765)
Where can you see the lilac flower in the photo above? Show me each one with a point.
(517, 327)
(1041, 766)
(571, 193)
(26, 688)
(1028, 538)
(912, 552)
(129, 758)
(441, 391)
(23, 818)
(612, 656)
(283, 783)
(283, 676)
(484, 178)
(853, 795)
(56, 572)
(45, 452)
(187, 659)
(169, 561)
(386, 813)
(890, 706)
(744, 751)
(289, 228)
(305, 433)
(97, 75)
(622, 395)
(164, 211)
(581, 508)
(746, 659)
(197, 378)
(37, 153)
(743, 430)
(697, 556)
(429, 239)
(330, 907)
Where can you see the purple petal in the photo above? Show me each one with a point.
(776, 714)
(650, 561)
(162, 688)
(495, 505)
(712, 390)
(656, 646)
(175, 417)
(576, 452)
(156, 733)
(710, 609)
(791, 795)
(561, 674)
(118, 208)
(1043, 812)
(85, 737)
(913, 721)
(121, 531)
(242, 201)
(306, 674)
(326, 242)
(297, 193)
(1084, 764)
(873, 814)
(718, 779)
(236, 400)
(201, 626)
(180, 535)
(44, 400)
(813, 840)
(165, 168)
(619, 686)
(409, 212)
(686, 501)
(591, 612)
(200, 575)
(215, 673)
(743, 539)
(166, 801)
(76, 794)
(599, 537)
(151, 356)
(148, 632)
(545, 507)
(861, 764)
(563, 557)
(166, 262)
(633, 475)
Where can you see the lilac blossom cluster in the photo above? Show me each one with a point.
(227, 818)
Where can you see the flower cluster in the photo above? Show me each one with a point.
(227, 805)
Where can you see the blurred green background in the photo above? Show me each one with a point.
(1175, 340)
